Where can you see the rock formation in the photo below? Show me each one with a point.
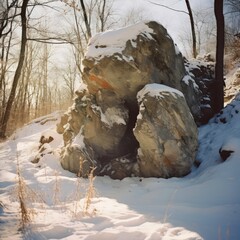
(103, 129)
(124, 62)
(166, 132)
(198, 88)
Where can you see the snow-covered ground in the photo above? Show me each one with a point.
(203, 205)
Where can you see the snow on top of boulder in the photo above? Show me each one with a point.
(113, 41)
(157, 90)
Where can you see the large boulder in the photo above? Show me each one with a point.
(166, 132)
(117, 65)
(125, 60)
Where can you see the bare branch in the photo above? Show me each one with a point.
(173, 9)
(45, 4)
(51, 40)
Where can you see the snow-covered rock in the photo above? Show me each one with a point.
(100, 122)
(127, 59)
(198, 89)
(117, 65)
(166, 132)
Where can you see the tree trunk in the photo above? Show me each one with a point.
(102, 17)
(189, 12)
(17, 75)
(218, 101)
(194, 42)
(86, 20)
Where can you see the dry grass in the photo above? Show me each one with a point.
(81, 198)
(56, 190)
(76, 209)
(26, 197)
(26, 213)
(80, 172)
(81, 205)
(90, 193)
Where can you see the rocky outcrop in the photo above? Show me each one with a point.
(98, 128)
(198, 89)
(166, 132)
(94, 131)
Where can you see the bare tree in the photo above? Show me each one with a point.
(101, 13)
(7, 14)
(21, 107)
(194, 41)
(89, 17)
(219, 79)
(233, 6)
(205, 30)
(6, 115)
(85, 17)
(7, 25)
(133, 16)
(190, 14)
(232, 28)
(70, 77)
(15, 86)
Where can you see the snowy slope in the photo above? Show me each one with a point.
(202, 205)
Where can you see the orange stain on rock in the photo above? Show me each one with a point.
(100, 82)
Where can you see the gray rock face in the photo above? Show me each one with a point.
(104, 130)
(100, 122)
(166, 132)
(98, 128)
